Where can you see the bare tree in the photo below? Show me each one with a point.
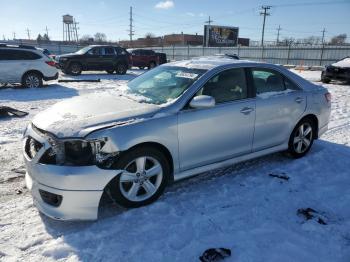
(338, 40)
(100, 37)
(86, 39)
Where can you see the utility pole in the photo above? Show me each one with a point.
(323, 33)
(14, 35)
(278, 34)
(208, 31)
(265, 13)
(28, 33)
(131, 31)
(47, 31)
(3, 37)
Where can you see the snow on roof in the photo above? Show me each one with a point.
(208, 62)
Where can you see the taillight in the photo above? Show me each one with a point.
(51, 63)
(328, 97)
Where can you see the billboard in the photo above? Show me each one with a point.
(220, 35)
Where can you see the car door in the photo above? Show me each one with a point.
(16, 63)
(224, 131)
(279, 105)
(137, 58)
(4, 69)
(109, 56)
(93, 59)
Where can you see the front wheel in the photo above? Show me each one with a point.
(32, 80)
(301, 138)
(121, 69)
(75, 69)
(110, 71)
(151, 65)
(146, 174)
(325, 79)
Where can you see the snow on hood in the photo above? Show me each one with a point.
(76, 117)
(342, 63)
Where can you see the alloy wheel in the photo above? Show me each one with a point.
(141, 179)
(32, 81)
(303, 138)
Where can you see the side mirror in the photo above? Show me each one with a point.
(202, 101)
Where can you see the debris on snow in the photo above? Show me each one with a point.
(309, 213)
(281, 176)
(215, 254)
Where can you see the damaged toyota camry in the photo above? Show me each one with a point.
(172, 122)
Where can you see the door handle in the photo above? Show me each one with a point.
(247, 110)
(299, 100)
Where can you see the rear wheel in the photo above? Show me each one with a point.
(110, 71)
(32, 80)
(146, 174)
(302, 138)
(121, 69)
(75, 69)
(151, 65)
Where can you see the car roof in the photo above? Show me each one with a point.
(210, 62)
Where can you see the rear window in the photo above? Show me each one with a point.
(11, 54)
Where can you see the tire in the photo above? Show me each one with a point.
(302, 138)
(324, 79)
(32, 80)
(75, 69)
(141, 67)
(137, 186)
(110, 71)
(152, 65)
(121, 69)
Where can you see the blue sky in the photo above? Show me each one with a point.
(299, 18)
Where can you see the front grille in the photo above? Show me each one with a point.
(32, 147)
(51, 198)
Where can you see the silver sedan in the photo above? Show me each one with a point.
(172, 122)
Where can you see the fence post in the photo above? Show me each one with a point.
(288, 56)
(262, 53)
(188, 51)
(203, 51)
(238, 50)
(321, 58)
(59, 48)
(173, 52)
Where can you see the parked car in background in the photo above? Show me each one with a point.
(145, 58)
(95, 58)
(337, 71)
(174, 121)
(26, 65)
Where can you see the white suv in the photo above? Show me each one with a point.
(26, 65)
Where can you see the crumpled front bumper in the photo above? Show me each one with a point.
(80, 187)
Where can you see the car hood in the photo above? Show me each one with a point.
(66, 55)
(345, 63)
(79, 116)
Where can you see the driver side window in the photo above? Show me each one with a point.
(226, 86)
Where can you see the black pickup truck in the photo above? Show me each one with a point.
(95, 58)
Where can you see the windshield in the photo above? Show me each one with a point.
(164, 84)
(83, 50)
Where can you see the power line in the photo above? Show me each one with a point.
(265, 13)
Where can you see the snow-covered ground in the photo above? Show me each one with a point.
(240, 207)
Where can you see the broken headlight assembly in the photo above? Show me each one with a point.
(78, 152)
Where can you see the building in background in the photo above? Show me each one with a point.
(183, 39)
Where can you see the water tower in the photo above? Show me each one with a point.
(70, 32)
